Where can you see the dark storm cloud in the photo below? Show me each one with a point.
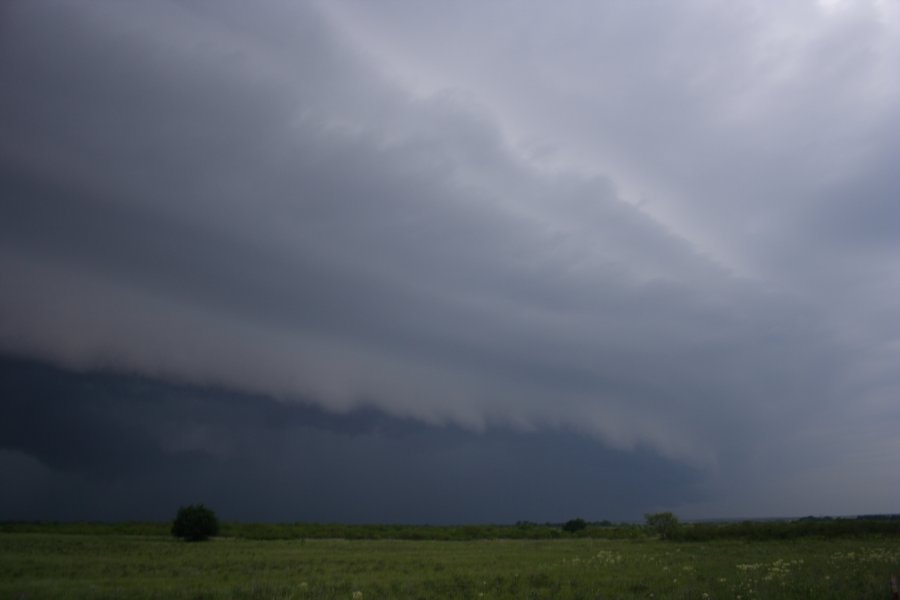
(104, 446)
(322, 204)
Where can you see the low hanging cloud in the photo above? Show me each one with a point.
(116, 446)
(272, 201)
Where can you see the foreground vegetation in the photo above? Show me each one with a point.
(114, 565)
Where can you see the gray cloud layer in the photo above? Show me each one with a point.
(666, 227)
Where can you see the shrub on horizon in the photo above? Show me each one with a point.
(575, 525)
(195, 523)
(665, 524)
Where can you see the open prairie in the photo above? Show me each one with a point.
(53, 565)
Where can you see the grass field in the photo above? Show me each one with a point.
(46, 565)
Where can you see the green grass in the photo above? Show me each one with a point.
(50, 565)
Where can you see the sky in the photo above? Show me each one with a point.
(449, 262)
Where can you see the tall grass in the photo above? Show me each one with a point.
(48, 565)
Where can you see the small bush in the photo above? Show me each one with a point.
(665, 524)
(575, 525)
(195, 523)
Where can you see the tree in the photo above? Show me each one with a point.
(663, 523)
(195, 523)
(575, 525)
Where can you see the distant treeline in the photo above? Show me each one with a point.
(827, 527)
(297, 531)
(880, 525)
